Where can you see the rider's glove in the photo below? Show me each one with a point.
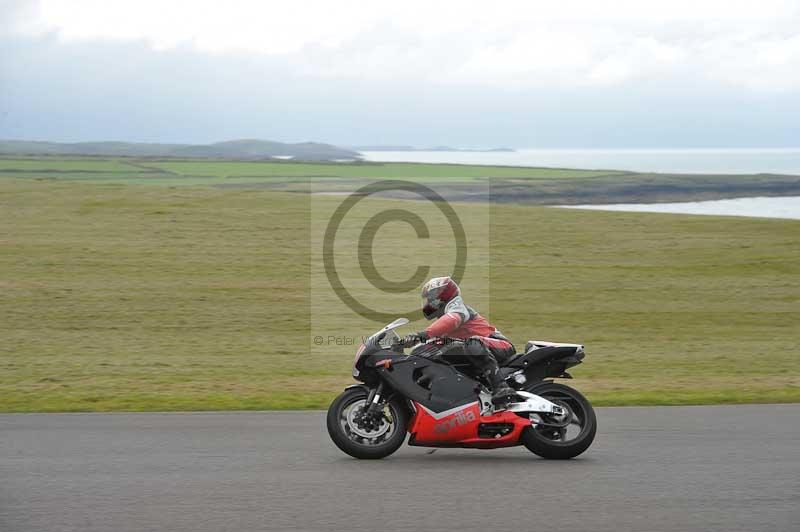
(415, 338)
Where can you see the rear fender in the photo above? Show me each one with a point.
(535, 386)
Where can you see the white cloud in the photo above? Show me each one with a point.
(519, 43)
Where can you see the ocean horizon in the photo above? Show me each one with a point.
(662, 160)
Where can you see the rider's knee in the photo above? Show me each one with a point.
(475, 347)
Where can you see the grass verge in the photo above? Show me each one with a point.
(122, 297)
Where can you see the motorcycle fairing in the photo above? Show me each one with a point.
(439, 387)
(458, 427)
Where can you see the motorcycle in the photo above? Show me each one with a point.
(434, 394)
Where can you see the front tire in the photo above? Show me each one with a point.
(551, 441)
(365, 439)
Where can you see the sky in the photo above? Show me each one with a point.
(575, 74)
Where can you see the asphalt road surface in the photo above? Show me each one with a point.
(650, 469)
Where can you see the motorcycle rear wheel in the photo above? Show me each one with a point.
(559, 443)
(366, 440)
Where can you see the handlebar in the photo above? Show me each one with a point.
(398, 343)
(446, 343)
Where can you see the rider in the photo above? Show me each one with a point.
(442, 300)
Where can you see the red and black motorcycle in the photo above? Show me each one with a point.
(435, 395)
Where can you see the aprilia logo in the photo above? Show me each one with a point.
(458, 420)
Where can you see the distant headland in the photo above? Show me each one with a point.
(435, 148)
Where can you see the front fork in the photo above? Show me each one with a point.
(374, 400)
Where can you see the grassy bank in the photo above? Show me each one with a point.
(123, 297)
(501, 184)
(211, 172)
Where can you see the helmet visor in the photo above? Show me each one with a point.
(429, 310)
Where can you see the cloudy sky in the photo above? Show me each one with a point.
(598, 74)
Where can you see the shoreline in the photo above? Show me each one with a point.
(611, 190)
(769, 207)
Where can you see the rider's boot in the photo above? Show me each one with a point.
(484, 360)
(502, 393)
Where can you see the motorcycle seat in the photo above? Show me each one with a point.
(510, 360)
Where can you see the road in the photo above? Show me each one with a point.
(722, 468)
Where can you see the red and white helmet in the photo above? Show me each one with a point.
(436, 293)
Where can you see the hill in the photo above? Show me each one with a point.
(232, 149)
(434, 148)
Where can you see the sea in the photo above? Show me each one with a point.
(699, 161)
(759, 207)
(702, 161)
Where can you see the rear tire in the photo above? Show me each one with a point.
(552, 443)
(366, 443)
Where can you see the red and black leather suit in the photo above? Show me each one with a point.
(486, 345)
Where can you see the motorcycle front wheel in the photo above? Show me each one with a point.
(362, 436)
(561, 437)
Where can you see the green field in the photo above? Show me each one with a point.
(124, 297)
(170, 171)
(503, 184)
